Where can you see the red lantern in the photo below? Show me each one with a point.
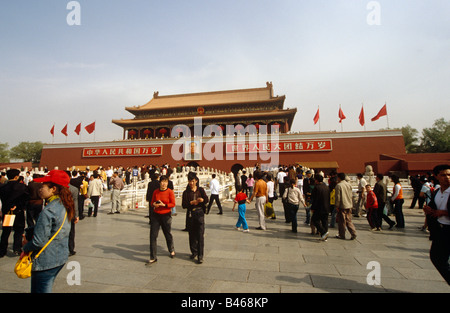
(147, 132)
(131, 133)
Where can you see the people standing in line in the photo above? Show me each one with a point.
(14, 198)
(361, 195)
(344, 206)
(320, 207)
(241, 200)
(380, 191)
(194, 200)
(214, 186)
(437, 212)
(261, 195)
(397, 202)
(293, 197)
(372, 209)
(57, 214)
(116, 186)
(95, 191)
(163, 200)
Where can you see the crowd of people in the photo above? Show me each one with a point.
(327, 201)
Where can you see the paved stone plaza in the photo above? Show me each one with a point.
(112, 251)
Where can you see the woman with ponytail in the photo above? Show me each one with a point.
(57, 214)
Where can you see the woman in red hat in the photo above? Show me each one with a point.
(54, 218)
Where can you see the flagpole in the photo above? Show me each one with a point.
(95, 129)
(318, 108)
(387, 116)
(364, 117)
(342, 127)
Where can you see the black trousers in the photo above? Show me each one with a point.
(214, 198)
(72, 237)
(320, 221)
(440, 251)
(18, 228)
(95, 200)
(80, 208)
(196, 228)
(381, 216)
(158, 221)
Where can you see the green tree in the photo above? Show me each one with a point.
(28, 151)
(4, 153)
(410, 138)
(436, 138)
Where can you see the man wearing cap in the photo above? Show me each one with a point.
(14, 197)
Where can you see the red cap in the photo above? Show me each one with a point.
(56, 176)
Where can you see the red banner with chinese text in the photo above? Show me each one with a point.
(282, 146)
(122, 151)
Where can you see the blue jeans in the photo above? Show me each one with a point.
(242, 221)
(42, 281)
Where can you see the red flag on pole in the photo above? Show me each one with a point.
(90, 128)
(64, 131)
(341, 115)
(316, 117)
(78, 129)
(52, 131)
(361, 117)
(383, 112)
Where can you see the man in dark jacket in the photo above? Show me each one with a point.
(380, 191)
(320, 197)
(14, 197)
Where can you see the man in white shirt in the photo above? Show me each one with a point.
(214, 186)
(439, 222)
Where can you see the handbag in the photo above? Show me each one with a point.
(24, 265)
(268, 209)
(8, 221)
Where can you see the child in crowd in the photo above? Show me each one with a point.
(241, 199)
(372, 207)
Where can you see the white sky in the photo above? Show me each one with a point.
(316, 52)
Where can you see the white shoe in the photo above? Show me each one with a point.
(238, 229)
(246, 231)
(324, 237)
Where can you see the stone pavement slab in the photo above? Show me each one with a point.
(112, 251)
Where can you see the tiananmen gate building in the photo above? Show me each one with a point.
(228, 130)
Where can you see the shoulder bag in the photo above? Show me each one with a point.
(25, 263)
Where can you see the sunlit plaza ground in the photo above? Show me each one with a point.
(112, 251)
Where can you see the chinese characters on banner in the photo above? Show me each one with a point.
(122, 151)
(283, 146)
